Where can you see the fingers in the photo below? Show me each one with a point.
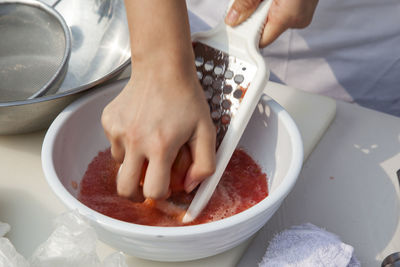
(179, 169)
(117, 151)
(294, 14)
(113, 135)
(157, 175)
(240, 11)
(283, 14)
(203, 155)
(129, 176)
(273, 29)
(156, 181)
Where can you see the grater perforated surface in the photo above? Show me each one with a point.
(225, 80)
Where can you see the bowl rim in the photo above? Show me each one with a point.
(137, 230)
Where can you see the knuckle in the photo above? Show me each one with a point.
(111, 129)
(132, 139)
(106, 118)
(161, 144)
(114, 132)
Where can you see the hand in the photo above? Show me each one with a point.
(283, 14)
(161, 109)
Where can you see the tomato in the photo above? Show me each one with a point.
(179, 169)
(242, 185)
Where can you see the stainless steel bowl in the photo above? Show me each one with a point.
(35, 45)
(393, 260)
(100, 50)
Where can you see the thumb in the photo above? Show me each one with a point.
(240, 11)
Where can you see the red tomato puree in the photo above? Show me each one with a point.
(242, 185)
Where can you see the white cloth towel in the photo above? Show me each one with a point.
(308, 245)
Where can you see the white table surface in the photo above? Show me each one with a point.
(348, 186)
(29, 206)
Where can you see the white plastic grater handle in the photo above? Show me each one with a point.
(243, 40)
(251, 29)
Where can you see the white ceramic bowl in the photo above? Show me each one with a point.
(76, 136)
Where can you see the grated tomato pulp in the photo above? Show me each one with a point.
(242, 185)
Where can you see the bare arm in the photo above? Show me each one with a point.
(163, 106)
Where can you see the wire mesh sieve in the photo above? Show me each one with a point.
(34, 49)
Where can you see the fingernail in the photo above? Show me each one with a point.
(232, 16)
(191, 186)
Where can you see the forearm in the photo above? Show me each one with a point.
(162, 108)
(159, 28)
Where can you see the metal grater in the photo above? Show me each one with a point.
(225, 80)
(233, 74)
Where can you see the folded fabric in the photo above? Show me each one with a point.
(308, 245)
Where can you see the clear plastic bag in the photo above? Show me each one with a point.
(9, 257)
(72, 244)
(116, 259)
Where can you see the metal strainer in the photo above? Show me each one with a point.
(35, 46)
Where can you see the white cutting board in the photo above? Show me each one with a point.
(29, 206)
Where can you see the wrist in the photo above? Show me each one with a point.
(164, 60)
